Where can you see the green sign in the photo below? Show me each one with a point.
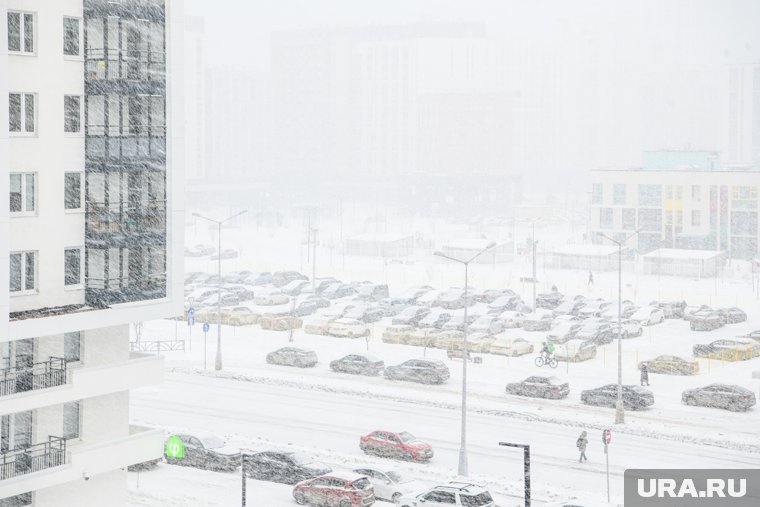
(175, 448)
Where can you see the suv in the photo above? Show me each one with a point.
(453, 493)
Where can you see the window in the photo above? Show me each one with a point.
(22, 193)
(72, 266)
(23, 268)
(650, 195)
(21, 112)
(696, 218)
(441, 497)
(597, 193)
(71, 418)
(696, 193)
(629, 219)
(72, 113)
(605, 218)
(71, 37)
(20, 32)
(21, 500)
(618, 194)
(72, 190)
(72, 346)
(650, 220)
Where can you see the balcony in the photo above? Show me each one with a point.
(101, 292)
(110, 143)
(142, 9)
(33, 458)
(44, 375)
(122, 224)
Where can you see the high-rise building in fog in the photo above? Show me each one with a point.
(195, 97)
(742, 134)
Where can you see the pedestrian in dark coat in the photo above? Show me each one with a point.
(590, 278)
(644, 374)
(581, 443)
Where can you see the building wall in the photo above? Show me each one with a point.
(742, 126)
(110, 486)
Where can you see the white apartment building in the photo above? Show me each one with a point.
(91, 216)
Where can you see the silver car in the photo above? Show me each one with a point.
(728, 397)
(292, 356)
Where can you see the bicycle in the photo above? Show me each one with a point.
(548, 360)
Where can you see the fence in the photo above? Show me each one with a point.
(50, 373)
(157, 346)
(33, 458)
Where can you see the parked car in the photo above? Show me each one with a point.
(410, 295)
(390, 484)
(629, 329)
(569, 307)
(627, 308)
(205, 249)
(425, 371)
(549, 300)
(205, 451)
(422, 337)
(596, 330)
(449, 495)
(754, 335)
(392, 306)
(348, 328)
(401, 445)
(671, 309)
(286, 467)
(728, 350)
(411, 316)
(634, 397)
(593, 308)
(282, 278)
(257, 279)
(227, 299)
(487, 324)
(540, 387)
(272, 298)
(318, 325)
(447, 339)
(504, 303)
(337, 489)
(456, 322)
(293, 356)
(564, 331)
(397, 333)
(320, 284)
(453, 299)
(479, 342)
(648, 316)
(280, 322)
(511, 347)
(487, 295)
(305, 307)
(671, 365)
(691, 310)
(728, 397)
(435, 319)
(511, 318)
(295, 287)
(193, 252)
(364, 313)
(707, 320)
(371, 291)
(338, 290)
(732, 315)
(239, 316)
(358, 364)
(575, 351)
(540, 320)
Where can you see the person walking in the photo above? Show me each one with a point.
(590, 279)
(581, 443)
(644, 374)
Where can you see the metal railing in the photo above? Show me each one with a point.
(125, 219)
(144, 282)
(126, 64)
(33, 458)
(157, 346)
(127, 141)
(50, 373)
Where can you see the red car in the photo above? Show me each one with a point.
(337, 489)
(401, 445)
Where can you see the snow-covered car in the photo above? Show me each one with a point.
(447, 339)
(564, 331)
(691, 310)
(456, 322)
(280, 322)
(358, 364)
(285, 467)
(634, 397)
(398, 445)
(728, 350)
(227, 298)
(510, 347)
(348, 328)
(257, 279)
(411, 316)
(336, 489)
(272, 298)
(487, 324)
(453, 299)
(319, 324)
(364, 313)
(371, 291)
(671, 309)
(390, 484)
(487, 295)
(193, 252)
(754, 335)
(671, 365)
(397, 333)
(596, 330)
(732, 315)
(204, 451)
(549, 300)
(728, 397)
(648, 316)
(593, 308)
(479, 342)
(412, 294)
(282, 278)
(423, 337)
(575, 351)
(504, 303)
(540, 387)
(295, 287)
(452, 494)
(293, 356)
(569, 307)
(392, 306)
(435, 319)
(239, 316)
(425, 371)
(540, 320)
(707, 320)
(338, 290)
(305, 307)
(511, 318)
(629, 329)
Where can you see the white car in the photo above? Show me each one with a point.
(648, 316)
(389, 483)
(487, 324)
(318, 325)
(451, 494)
(509, 347)
(349, 328)
(512, 319)
(271, 299)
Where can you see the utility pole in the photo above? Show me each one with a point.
(534, 265)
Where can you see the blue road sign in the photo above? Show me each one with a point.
(191, 316)
(206, 327)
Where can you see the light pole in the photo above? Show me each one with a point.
(463, 436)
(619, 411)
(533, 241)
(218, 360)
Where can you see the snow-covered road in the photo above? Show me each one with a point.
(327, 423)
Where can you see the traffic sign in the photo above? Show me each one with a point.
(175, 448)
(206, 327)
(191, 316)
(607, 437)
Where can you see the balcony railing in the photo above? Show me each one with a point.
(129, 141)
(115, 290)
(128, 65)
(126, 220)
(50, 373)
(33, 458)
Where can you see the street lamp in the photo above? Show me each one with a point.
(463, 439)
(218, 360)
(619, 411)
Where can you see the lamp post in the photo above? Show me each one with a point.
(463, 436)
(619, 411)
(218, 360)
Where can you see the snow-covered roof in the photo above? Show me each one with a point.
(587, 250)
(381, 237)
(682, 253)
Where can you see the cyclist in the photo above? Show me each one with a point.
(547, 350)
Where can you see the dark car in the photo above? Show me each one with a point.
(410, 316)
(598, 331)
(732, 315)
(285, 467)
(401, 445)
(634, 397)
(705, 321)
(359, 364)
(282, 278)
(339, 489)
(728, 397)
(540, 387)
(306, 307)
(293, 356)
(203, 451)
(549, 300)
(425, 371)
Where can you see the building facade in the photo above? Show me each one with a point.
(678, 199)
(742, 129)
(91, 215)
